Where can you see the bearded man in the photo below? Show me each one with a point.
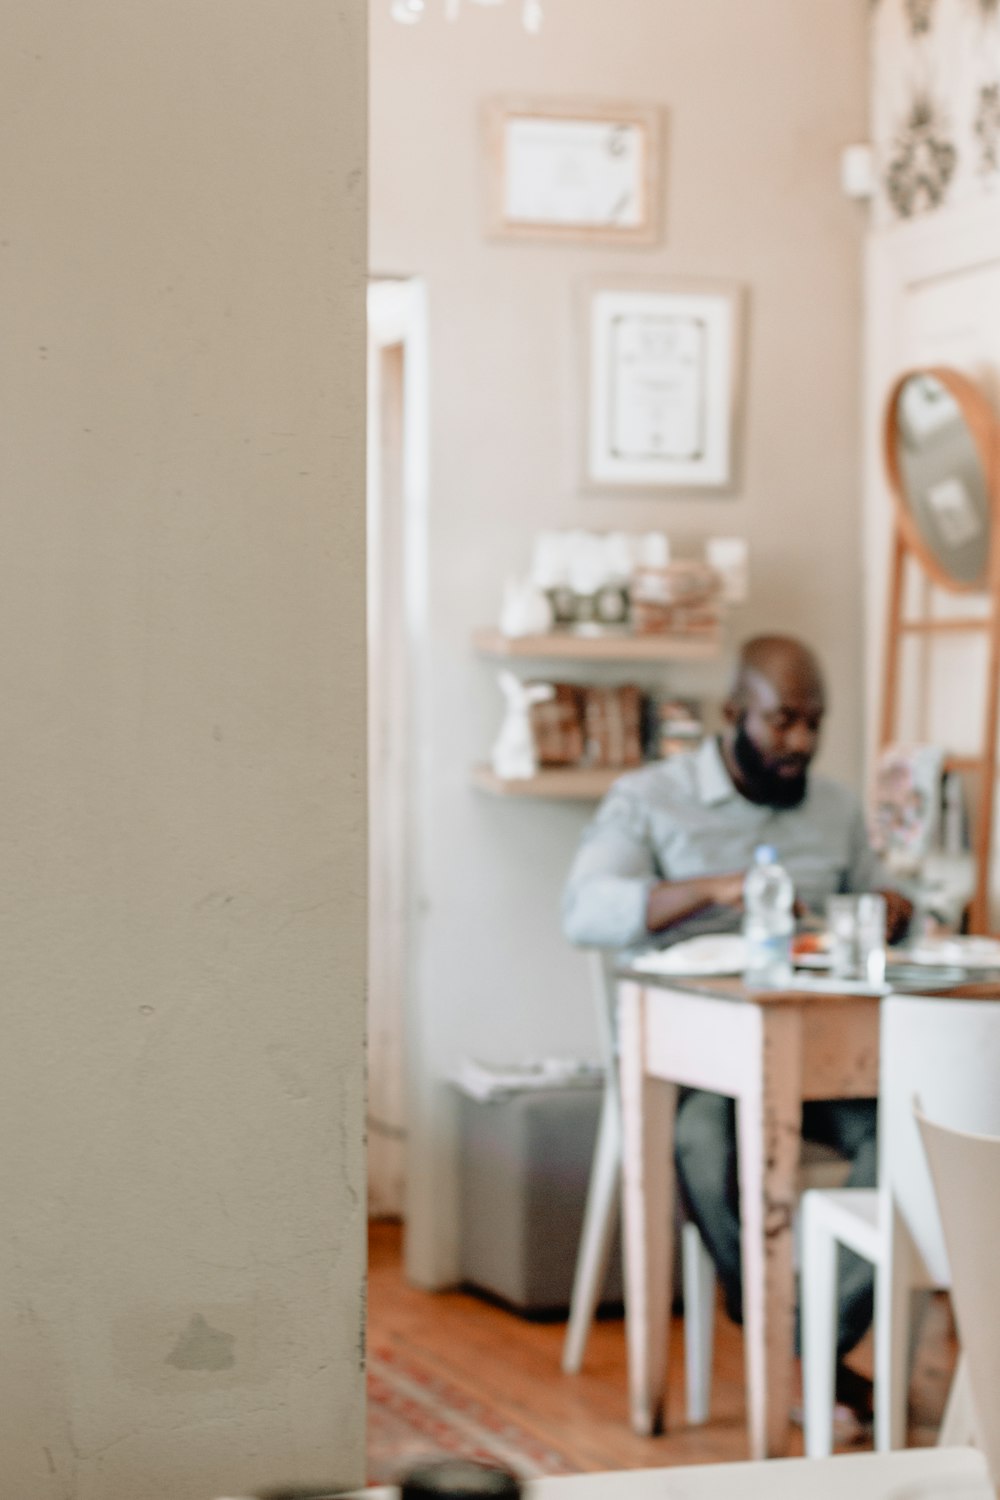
(665, 859)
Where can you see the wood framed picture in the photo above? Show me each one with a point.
(564, 171)
(662, 370)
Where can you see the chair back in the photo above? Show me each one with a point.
(946, 1053)
(966, 1173)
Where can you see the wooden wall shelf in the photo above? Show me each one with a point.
(705, 646)
(569, 784)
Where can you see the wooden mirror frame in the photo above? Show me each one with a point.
(908, 541)
(984, 428)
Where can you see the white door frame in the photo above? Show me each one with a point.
(397, 627)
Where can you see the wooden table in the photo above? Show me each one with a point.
(770, 1051)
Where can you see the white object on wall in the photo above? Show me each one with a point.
(526, 610)
(729, 557)
(513, 756)
(653, 550)
(857, 171)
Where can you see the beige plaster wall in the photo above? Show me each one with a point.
(761, 98)
(181, 673)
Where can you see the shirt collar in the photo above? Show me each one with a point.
(714, 782)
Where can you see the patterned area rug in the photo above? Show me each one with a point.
(415, 1414)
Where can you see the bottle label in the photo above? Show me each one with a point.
(768, 957)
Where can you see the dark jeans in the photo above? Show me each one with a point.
(706, 1164)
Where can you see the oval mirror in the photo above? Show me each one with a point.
(940, 453)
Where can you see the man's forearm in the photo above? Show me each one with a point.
(671, 901)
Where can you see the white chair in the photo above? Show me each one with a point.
(947, 1052)
(820, 1167)
(966, 1173)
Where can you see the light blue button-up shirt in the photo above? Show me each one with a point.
(683, 818)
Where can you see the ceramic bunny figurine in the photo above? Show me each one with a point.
(514, 756)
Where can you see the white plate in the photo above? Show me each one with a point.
(960, 952)
(811, 960)
(710, 956)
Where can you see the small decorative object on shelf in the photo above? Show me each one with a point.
(515, 757)
(526, 610)
(586, 575)
(557, 726)
(612, 726)
(676, 726)
(588, 726)
(683, 597)
(728, 556)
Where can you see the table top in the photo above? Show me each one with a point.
(967, 984)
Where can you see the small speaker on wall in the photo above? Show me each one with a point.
(857, 171)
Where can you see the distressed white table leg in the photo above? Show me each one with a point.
(769, 1131)
(958, 1425)
(648, 1108)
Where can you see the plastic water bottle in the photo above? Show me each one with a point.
(768, 921)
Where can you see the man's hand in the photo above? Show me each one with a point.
(727, 890)
(898, 912)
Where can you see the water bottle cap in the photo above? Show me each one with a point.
(765, 854)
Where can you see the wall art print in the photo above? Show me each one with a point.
(920, 16)
(923, 160)
(936, 103)
(987, 127)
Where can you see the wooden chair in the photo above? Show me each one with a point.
(947, 1052)
(966, 1172)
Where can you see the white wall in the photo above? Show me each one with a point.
(761, 99)
(181, 887)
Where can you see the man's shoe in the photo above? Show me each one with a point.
(853, 1410)
(856, 1392)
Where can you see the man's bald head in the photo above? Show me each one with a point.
(773, 715)
(778, 662)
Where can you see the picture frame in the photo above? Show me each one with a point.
(662, 378)
(579, 171)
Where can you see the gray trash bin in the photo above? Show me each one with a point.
(524, 1167)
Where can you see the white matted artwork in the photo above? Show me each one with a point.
(662, 378)
(574, 171)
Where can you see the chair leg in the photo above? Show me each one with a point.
(893, 1287)
(698, 1272)
(597, 1234)
(819, 1328)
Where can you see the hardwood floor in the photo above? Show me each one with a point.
(512, 1366)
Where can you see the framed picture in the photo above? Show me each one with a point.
(662, 377)
(573, 171)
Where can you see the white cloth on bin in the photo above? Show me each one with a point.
(484, 1081)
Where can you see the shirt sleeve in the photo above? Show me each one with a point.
(605, 899)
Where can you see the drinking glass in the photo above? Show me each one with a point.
(857, 937)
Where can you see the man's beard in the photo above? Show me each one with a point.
(763, 782)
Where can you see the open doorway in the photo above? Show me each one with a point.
(397, 487)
